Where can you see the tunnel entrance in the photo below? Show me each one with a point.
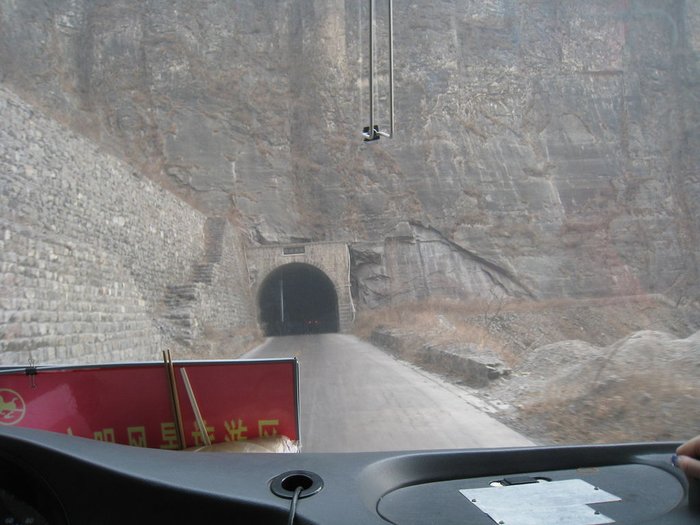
(298, 298)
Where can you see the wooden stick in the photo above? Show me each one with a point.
(195, 407)
(174, 401)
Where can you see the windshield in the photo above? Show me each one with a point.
(474, 224)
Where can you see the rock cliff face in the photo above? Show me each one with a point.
(556, 141)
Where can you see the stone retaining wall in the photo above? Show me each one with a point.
(88, 249)
(473, 367)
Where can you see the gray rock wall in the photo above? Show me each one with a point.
(557, 139)
(416, 262)
(89, 249)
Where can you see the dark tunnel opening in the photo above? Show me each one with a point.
(298, 298)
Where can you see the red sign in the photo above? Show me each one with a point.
(130, 403)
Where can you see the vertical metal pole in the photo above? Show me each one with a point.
(371, 68)
(373, 133)
(391, 68)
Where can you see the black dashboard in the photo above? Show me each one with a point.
(58, 479)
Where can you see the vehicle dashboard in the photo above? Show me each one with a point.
(53, 478)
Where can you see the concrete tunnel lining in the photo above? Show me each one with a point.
(298, 298)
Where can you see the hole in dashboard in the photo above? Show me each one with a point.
(291, 483)
(287, 483)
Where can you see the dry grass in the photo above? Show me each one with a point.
(644, 406)
(593, 385)
(440, 321)
(217, 344)
(478, 321)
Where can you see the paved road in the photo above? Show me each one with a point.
(355, 397)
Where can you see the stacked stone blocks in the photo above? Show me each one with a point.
(91, 252)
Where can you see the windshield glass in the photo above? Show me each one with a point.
(474, 224)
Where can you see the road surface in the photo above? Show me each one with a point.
(355, 397)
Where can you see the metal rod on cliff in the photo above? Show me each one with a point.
(372, 132)
(391, 69)
(371, 68)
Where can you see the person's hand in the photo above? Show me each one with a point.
(688, 457)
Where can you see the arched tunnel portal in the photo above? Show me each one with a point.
(298, 298)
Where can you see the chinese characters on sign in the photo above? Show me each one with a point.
(235, 430)
(130, 403)
(106, 434)
(137, 436)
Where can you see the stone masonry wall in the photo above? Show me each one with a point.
(66, 302)
(223, 299)
(212, 311)
(89, 249)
